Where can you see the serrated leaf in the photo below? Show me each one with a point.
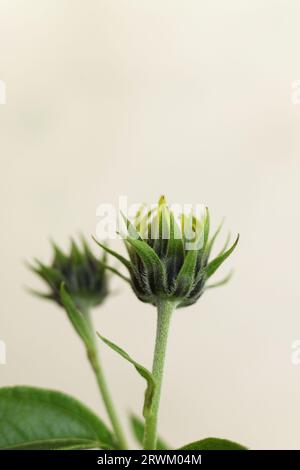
(145, 373)
(77, 318)
(138, 427)
(212, 443)
(34, 418)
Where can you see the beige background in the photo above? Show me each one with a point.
(187, 98)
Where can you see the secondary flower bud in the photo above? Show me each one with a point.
(80, 271)
(170, 259)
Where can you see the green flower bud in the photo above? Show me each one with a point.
(80, 271)
(168, 258)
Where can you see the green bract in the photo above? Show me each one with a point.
(170, 258)
(80, 271)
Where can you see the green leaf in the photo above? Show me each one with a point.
(116, 272)
(41, 295)
(225, 245)
(186, 276)
(59, 256)
(76, 254)
(206, 227)
(210, 242)
(160, 229)
(145, 373)
(137, 426)
(121, 258)
(50, 275)
(34, 418)
(151, 262)
(211, 268)
(77, 318)
(221, 282)
(175, 253)
(213, 443)
(139, 216)
(131, 230)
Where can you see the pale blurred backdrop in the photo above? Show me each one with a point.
(136, 97)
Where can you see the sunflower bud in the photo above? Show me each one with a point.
(82, 274)
(169, 257)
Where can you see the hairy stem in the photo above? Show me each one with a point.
(164, 312)
(93, 356)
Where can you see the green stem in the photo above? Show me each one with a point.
(93, 356)
(164, 312)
